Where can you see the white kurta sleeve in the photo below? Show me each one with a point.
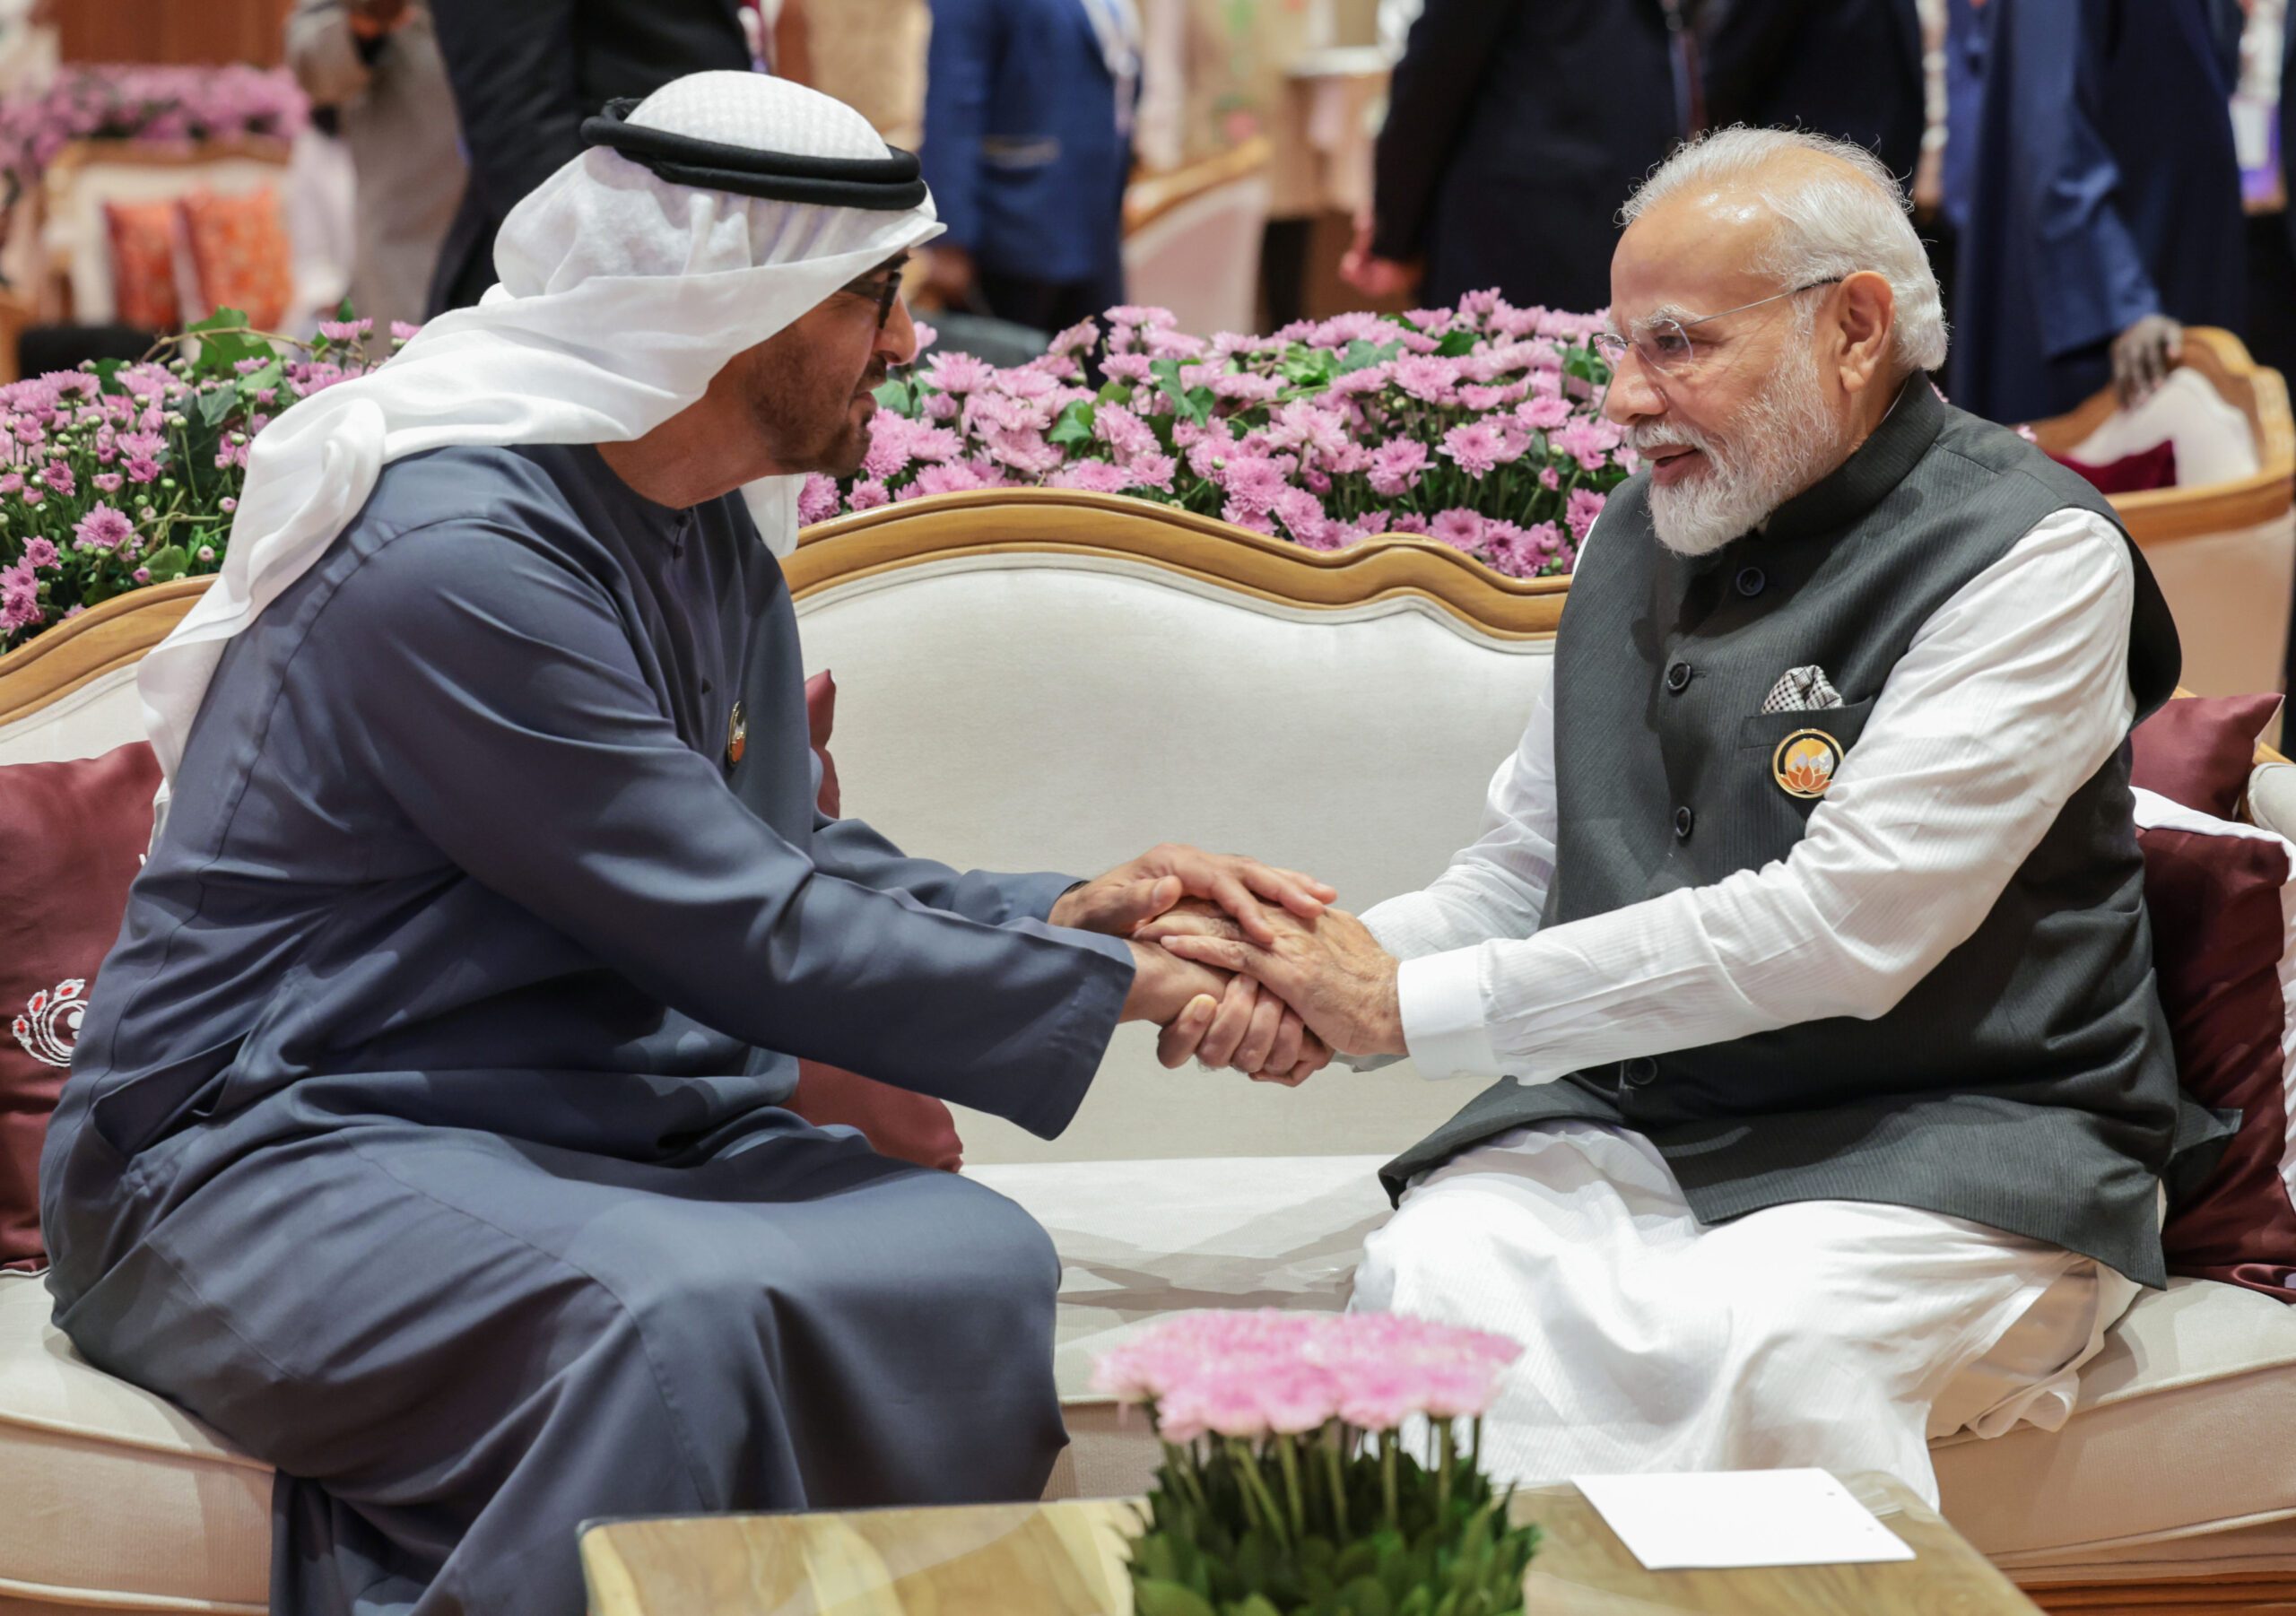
(1495, 888)
(2011, 697)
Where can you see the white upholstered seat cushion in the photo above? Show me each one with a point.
(2179, 1434)
(109, 1496)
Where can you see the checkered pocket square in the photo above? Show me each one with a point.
(1801, 690)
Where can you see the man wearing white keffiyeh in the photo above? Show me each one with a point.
(426, 1138)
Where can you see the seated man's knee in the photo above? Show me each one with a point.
(1437, 1242)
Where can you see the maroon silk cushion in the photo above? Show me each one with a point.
(897, 1123)
(72, 837)
(2145, 470)
(2220, 933)
(2198, 750)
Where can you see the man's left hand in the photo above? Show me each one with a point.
(1332, 971)
(1133, 894)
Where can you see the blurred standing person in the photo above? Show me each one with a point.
(2103, 203)
(377, 63)
(1847, 68)
(1512, 131)
(526, 72)
(1028, 145)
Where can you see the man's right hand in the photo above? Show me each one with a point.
(949, 275)
(1371, 275)
(2143, 357)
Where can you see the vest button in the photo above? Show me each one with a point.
(1682, 822)
(1639, 1072)
(1751, 581)
(1678, 677)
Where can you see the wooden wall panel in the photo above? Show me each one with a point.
(171, 30)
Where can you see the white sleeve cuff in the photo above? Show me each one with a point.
(1444, 1025)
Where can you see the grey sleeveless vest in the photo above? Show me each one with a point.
(2027, 1083)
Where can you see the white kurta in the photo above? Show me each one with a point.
(1824, 1332)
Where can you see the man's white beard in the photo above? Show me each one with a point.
(1784, 442)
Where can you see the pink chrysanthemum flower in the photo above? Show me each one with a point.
(817, 501)
(1092, 476)
(1396, 466)
(1479, 449)
(1586, 505)
(1153, 471)
(103, 528)
(1460, 528)
(1428, 379)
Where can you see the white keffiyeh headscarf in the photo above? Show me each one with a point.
(622, 295)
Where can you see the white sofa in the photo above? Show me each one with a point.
(1058, 680)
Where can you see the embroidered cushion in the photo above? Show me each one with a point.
(896, 1122)
(2221, 902)
(74, 835)
(2198, 750)
(239, 255)
(143, 237)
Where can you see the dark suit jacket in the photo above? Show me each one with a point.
(526, 72)
(1021, 143)
(1515, 129)
(1849, 68)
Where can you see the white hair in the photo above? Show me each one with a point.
(1829, 222)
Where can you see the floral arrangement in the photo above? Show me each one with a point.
(1477, 426)
(1288, 1488)
(117, 475)
(144, 101)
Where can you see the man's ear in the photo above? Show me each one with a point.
(1868, 317)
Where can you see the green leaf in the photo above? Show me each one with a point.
(1456, 345)
(1309, 366)
(168, 563)
(1152, 1597)
(97, 590)
(215, 407)
(1361, 355)
(1258, 1604)
(222, 345)
(1366, 1596)
(1074, 426)
(1115, 393)
(344, 312)
(897, 396)
(254, 381)
(106, 370)
(1197, 405)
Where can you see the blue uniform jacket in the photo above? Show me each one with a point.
(2106, 188)
(1020, 142)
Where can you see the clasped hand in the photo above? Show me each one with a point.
(1241, 964)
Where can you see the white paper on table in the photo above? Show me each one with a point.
(1724, 1518)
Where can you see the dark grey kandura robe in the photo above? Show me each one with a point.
(424, 1138)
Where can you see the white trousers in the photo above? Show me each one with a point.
(1836, 1334)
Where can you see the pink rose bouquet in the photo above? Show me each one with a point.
(1289, 1485)
(1477, 426)
(118, 475)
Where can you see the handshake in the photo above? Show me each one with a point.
(1242, 965)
